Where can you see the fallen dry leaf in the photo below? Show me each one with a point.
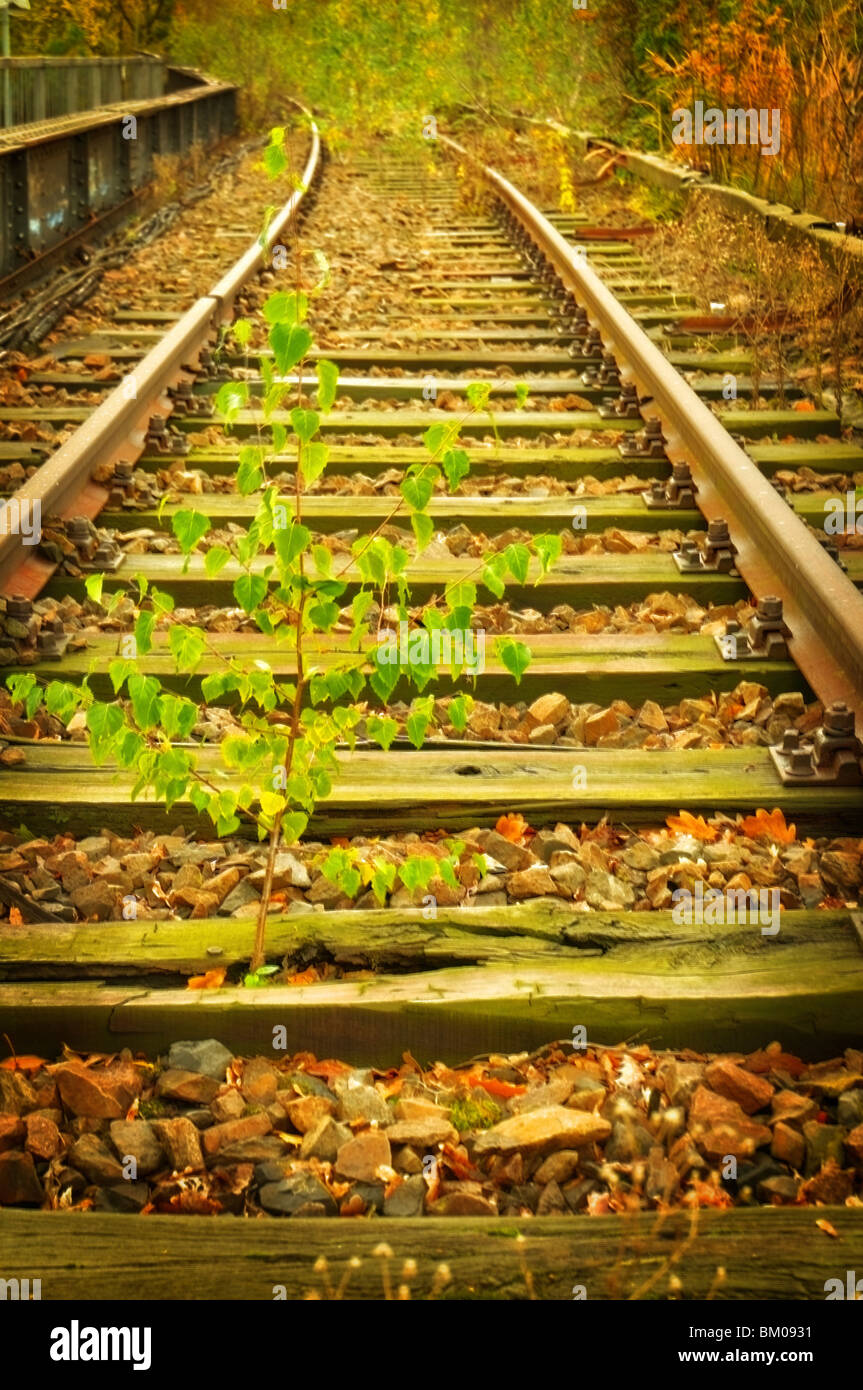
(512, 827)
(803, 405)
(696, 826)
(15, 918)
(213, 979)
(768, 826)
(828, 1228)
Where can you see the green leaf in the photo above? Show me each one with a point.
(328, 380)
(290, 542)
(458, 711)
(478, 393)
(290, 345)
(514, 655)
(189, 527)
(250, 473)
(215, 560)
(548, 549)
(324, 615)
(517, 558)
(382, 729)
(93, 585)
(418, 871)
(456, 465)
(383, 878)
(493, 574)
(286, 308)
(144, 624)
(144, 693)
(305, 423)
(418, 485)
(231, 398)
(423, 528)
(313, 461)
(249, 591)
(118, 671)
(275, 161)
(187, 646)
(104, 722)
(419, 719)
(242, 332)
(522, 391)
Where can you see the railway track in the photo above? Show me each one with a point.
(697, 658)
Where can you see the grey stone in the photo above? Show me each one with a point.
(359, 1102)
(241, 896)
(407, 1199)
(94, 846)
(125, 1196)
(849, 1109)
(325, 1140)
(286, 1197)
(138, 1139)
(628, 1142)
(93, 1158)
(822, 1142)
(208, 1057)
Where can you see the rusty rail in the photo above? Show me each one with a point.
(117, 427)
(777, 554)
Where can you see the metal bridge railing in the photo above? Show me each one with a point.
(44, 89)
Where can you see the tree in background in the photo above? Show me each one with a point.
(102, 27)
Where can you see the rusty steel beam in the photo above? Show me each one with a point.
(777, 554)
(117, 428)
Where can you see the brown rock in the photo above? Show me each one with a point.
(720, 1127)
(751, 1092)
(554, 1092)
(231, 1131)
(361, 1157)
(19, 1183)
(512, 857)
(422, 1134)
(535, 882)
(541, 1131)
(99, 900)
(558, 1167)
(788, 1145)
(462, 1204)
(596, 725)
(260, 1082)
(181, 1142)
(103, 1093)
(415, 1108)
(221, 884)
(307, 1111)
(550, 709)
(228, 1105)
(789, 1106)
(854, 1146)
(95, 1160)
(11, 1132)
(651, 717)
(832, 1186)
(44, 1139)
(187, 1085)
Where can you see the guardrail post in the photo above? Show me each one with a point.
(39, 89)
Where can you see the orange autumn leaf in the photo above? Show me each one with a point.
(22, 1063)
(768, 826)
(15, 918)
(696, 826)
(512, 827)
(828, 1228)
(213, 979)
(803, 405)
(504, 1089)
(340, 841)
(304, 977)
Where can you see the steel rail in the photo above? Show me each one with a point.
(777, 554)
(117, 427)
